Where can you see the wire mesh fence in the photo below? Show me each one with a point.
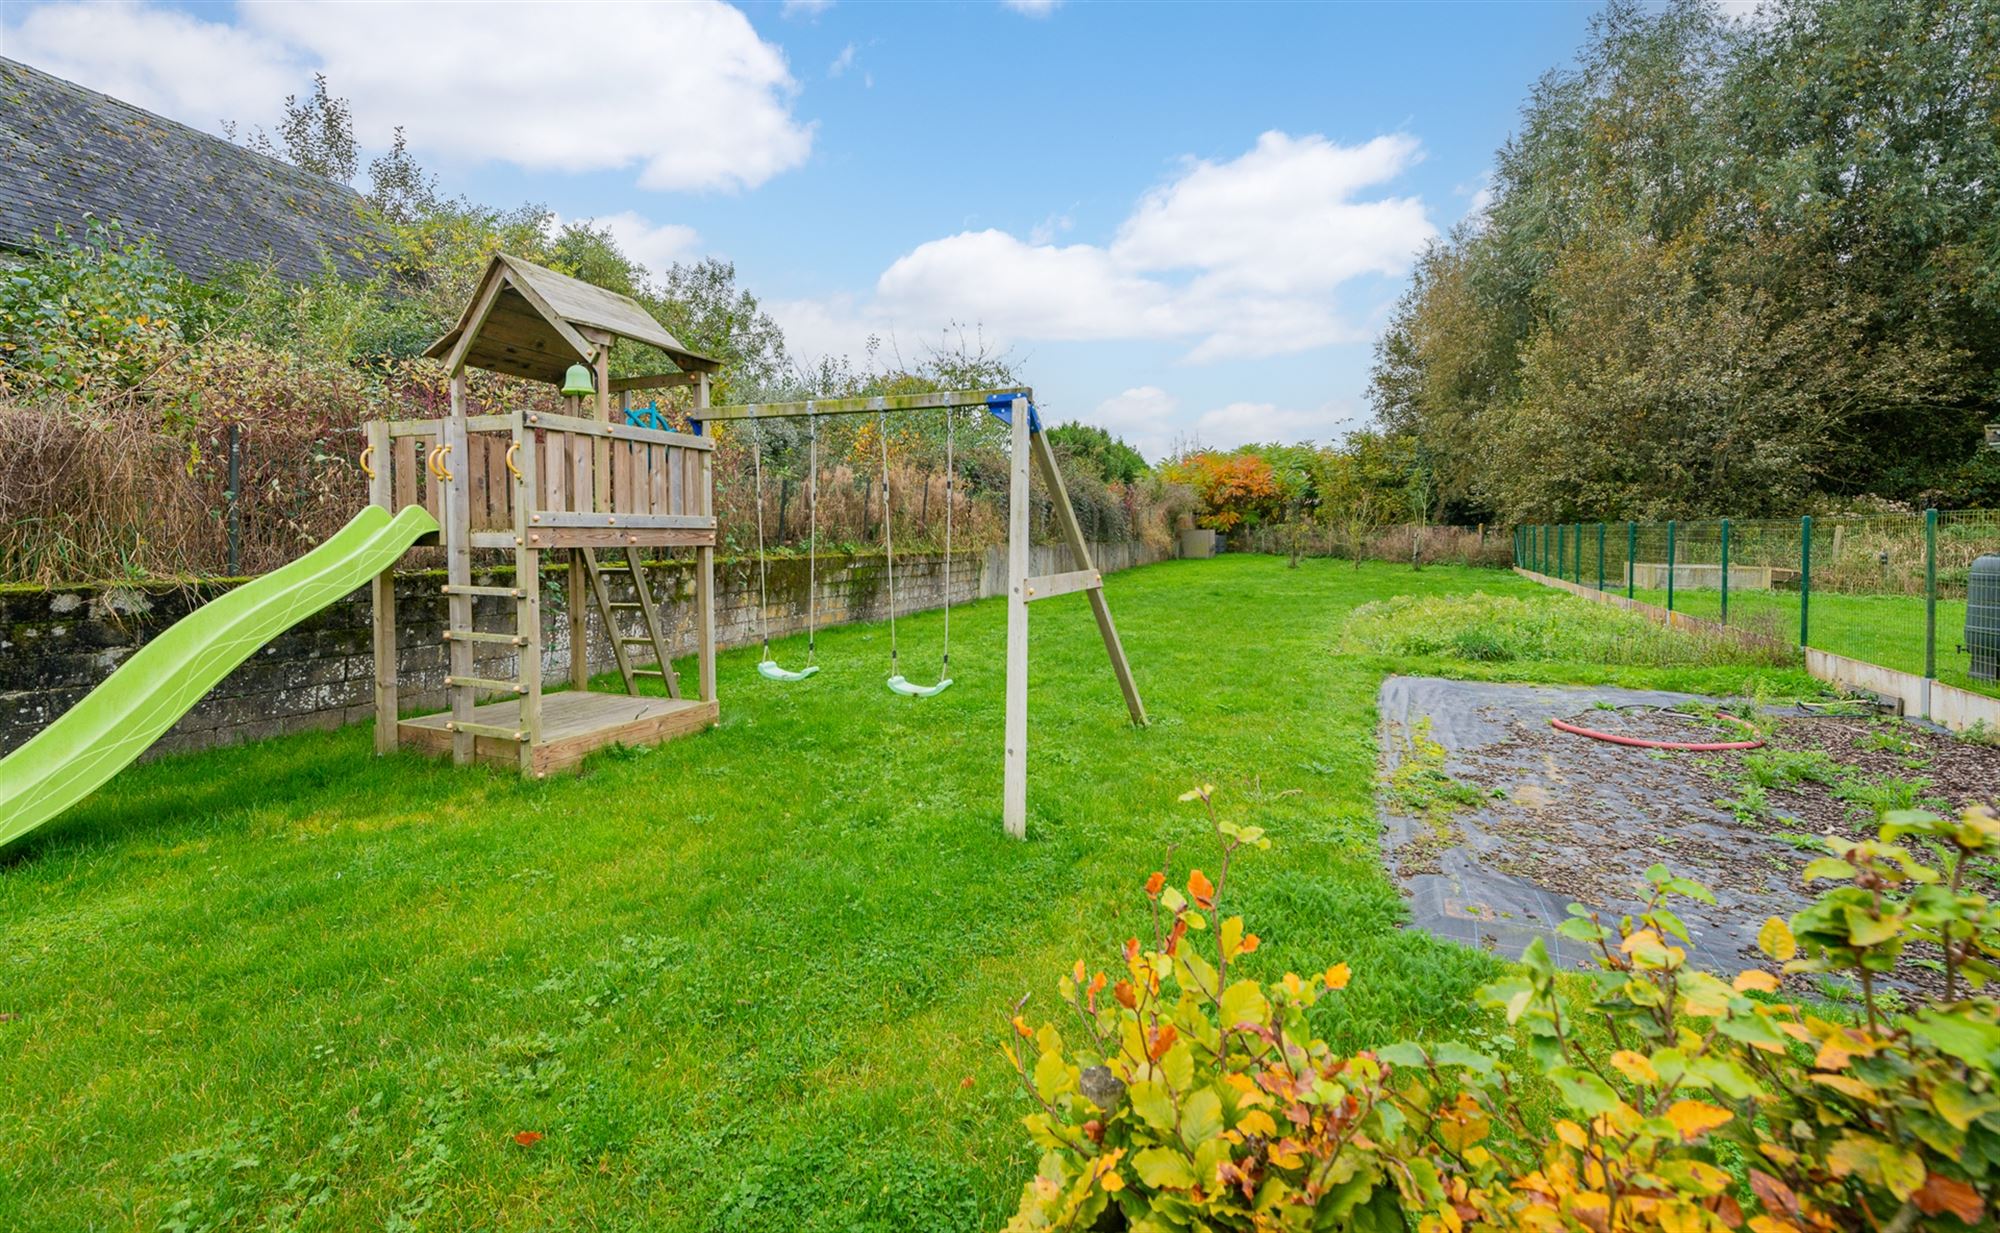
(1891, 589)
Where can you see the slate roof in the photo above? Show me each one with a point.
(207, 203)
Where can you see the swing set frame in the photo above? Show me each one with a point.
(1030, 453)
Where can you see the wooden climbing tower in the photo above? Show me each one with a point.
(599, 495)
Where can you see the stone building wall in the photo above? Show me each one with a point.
(57, 645)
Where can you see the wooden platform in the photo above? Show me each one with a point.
(573, 723)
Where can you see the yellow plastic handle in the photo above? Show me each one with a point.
(444, 472)
(367, 452)
(431, 462)
(511, 451)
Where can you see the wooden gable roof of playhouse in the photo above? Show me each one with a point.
(528, 321)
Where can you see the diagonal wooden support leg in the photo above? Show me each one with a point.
(1045, 462)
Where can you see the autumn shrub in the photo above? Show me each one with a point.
(1239, 490)
(1644, 1097)
(95, 315)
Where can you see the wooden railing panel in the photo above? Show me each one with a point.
(475, 481)
(404, 471)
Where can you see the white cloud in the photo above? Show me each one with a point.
(1281, 218)
(832, 326)
(1152, 421)
(1240, 423)
(198, 72)
(506, 86)
(654, 245)
(1240, 259)
(1049, 228)
(842, 62)
(1146, 417)
(1025, 290)
(805, 8)
(1033, 8)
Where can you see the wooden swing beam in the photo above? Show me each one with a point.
(1029, 449)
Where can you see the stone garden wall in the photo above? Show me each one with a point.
(57, 645)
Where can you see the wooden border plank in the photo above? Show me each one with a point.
(637, 522)
(549, 538)
(621, 432)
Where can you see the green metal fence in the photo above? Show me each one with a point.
(1886, 588)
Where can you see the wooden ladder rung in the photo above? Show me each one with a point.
(480, 635)
(467, 726)
(649, 672)
(501, 592)
(629, 639)
(626, 603)
(482, 682)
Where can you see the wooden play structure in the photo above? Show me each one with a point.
(589, 485)
(526, 484)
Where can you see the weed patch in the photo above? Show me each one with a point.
(1497, 629)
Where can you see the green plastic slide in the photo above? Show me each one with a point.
(161, 681)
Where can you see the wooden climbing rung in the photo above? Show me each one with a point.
(493, 730)
(482, 682)
(480, 635)
(500, 592)
(626, 603)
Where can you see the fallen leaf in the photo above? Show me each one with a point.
(1755, 981)
(528, 1138)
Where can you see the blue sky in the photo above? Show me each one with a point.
(1184, 221)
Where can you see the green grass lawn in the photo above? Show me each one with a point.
(755, 979)
(1882, 629)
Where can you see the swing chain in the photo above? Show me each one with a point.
(763, 576)
(888, 535)
(812, 536)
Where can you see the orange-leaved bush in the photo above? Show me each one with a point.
(1185, 1098)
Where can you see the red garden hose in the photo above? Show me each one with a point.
(1639, 742)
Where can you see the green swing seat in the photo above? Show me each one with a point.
(770, 671)
(767, 667)
(909, 689)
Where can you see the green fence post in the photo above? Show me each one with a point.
(1930, 594)
(1579, 554)
(1600, 556)
(1562, 547)
(1631, 557)
(1805, 580)
(1670, 565)
(1725, 571)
